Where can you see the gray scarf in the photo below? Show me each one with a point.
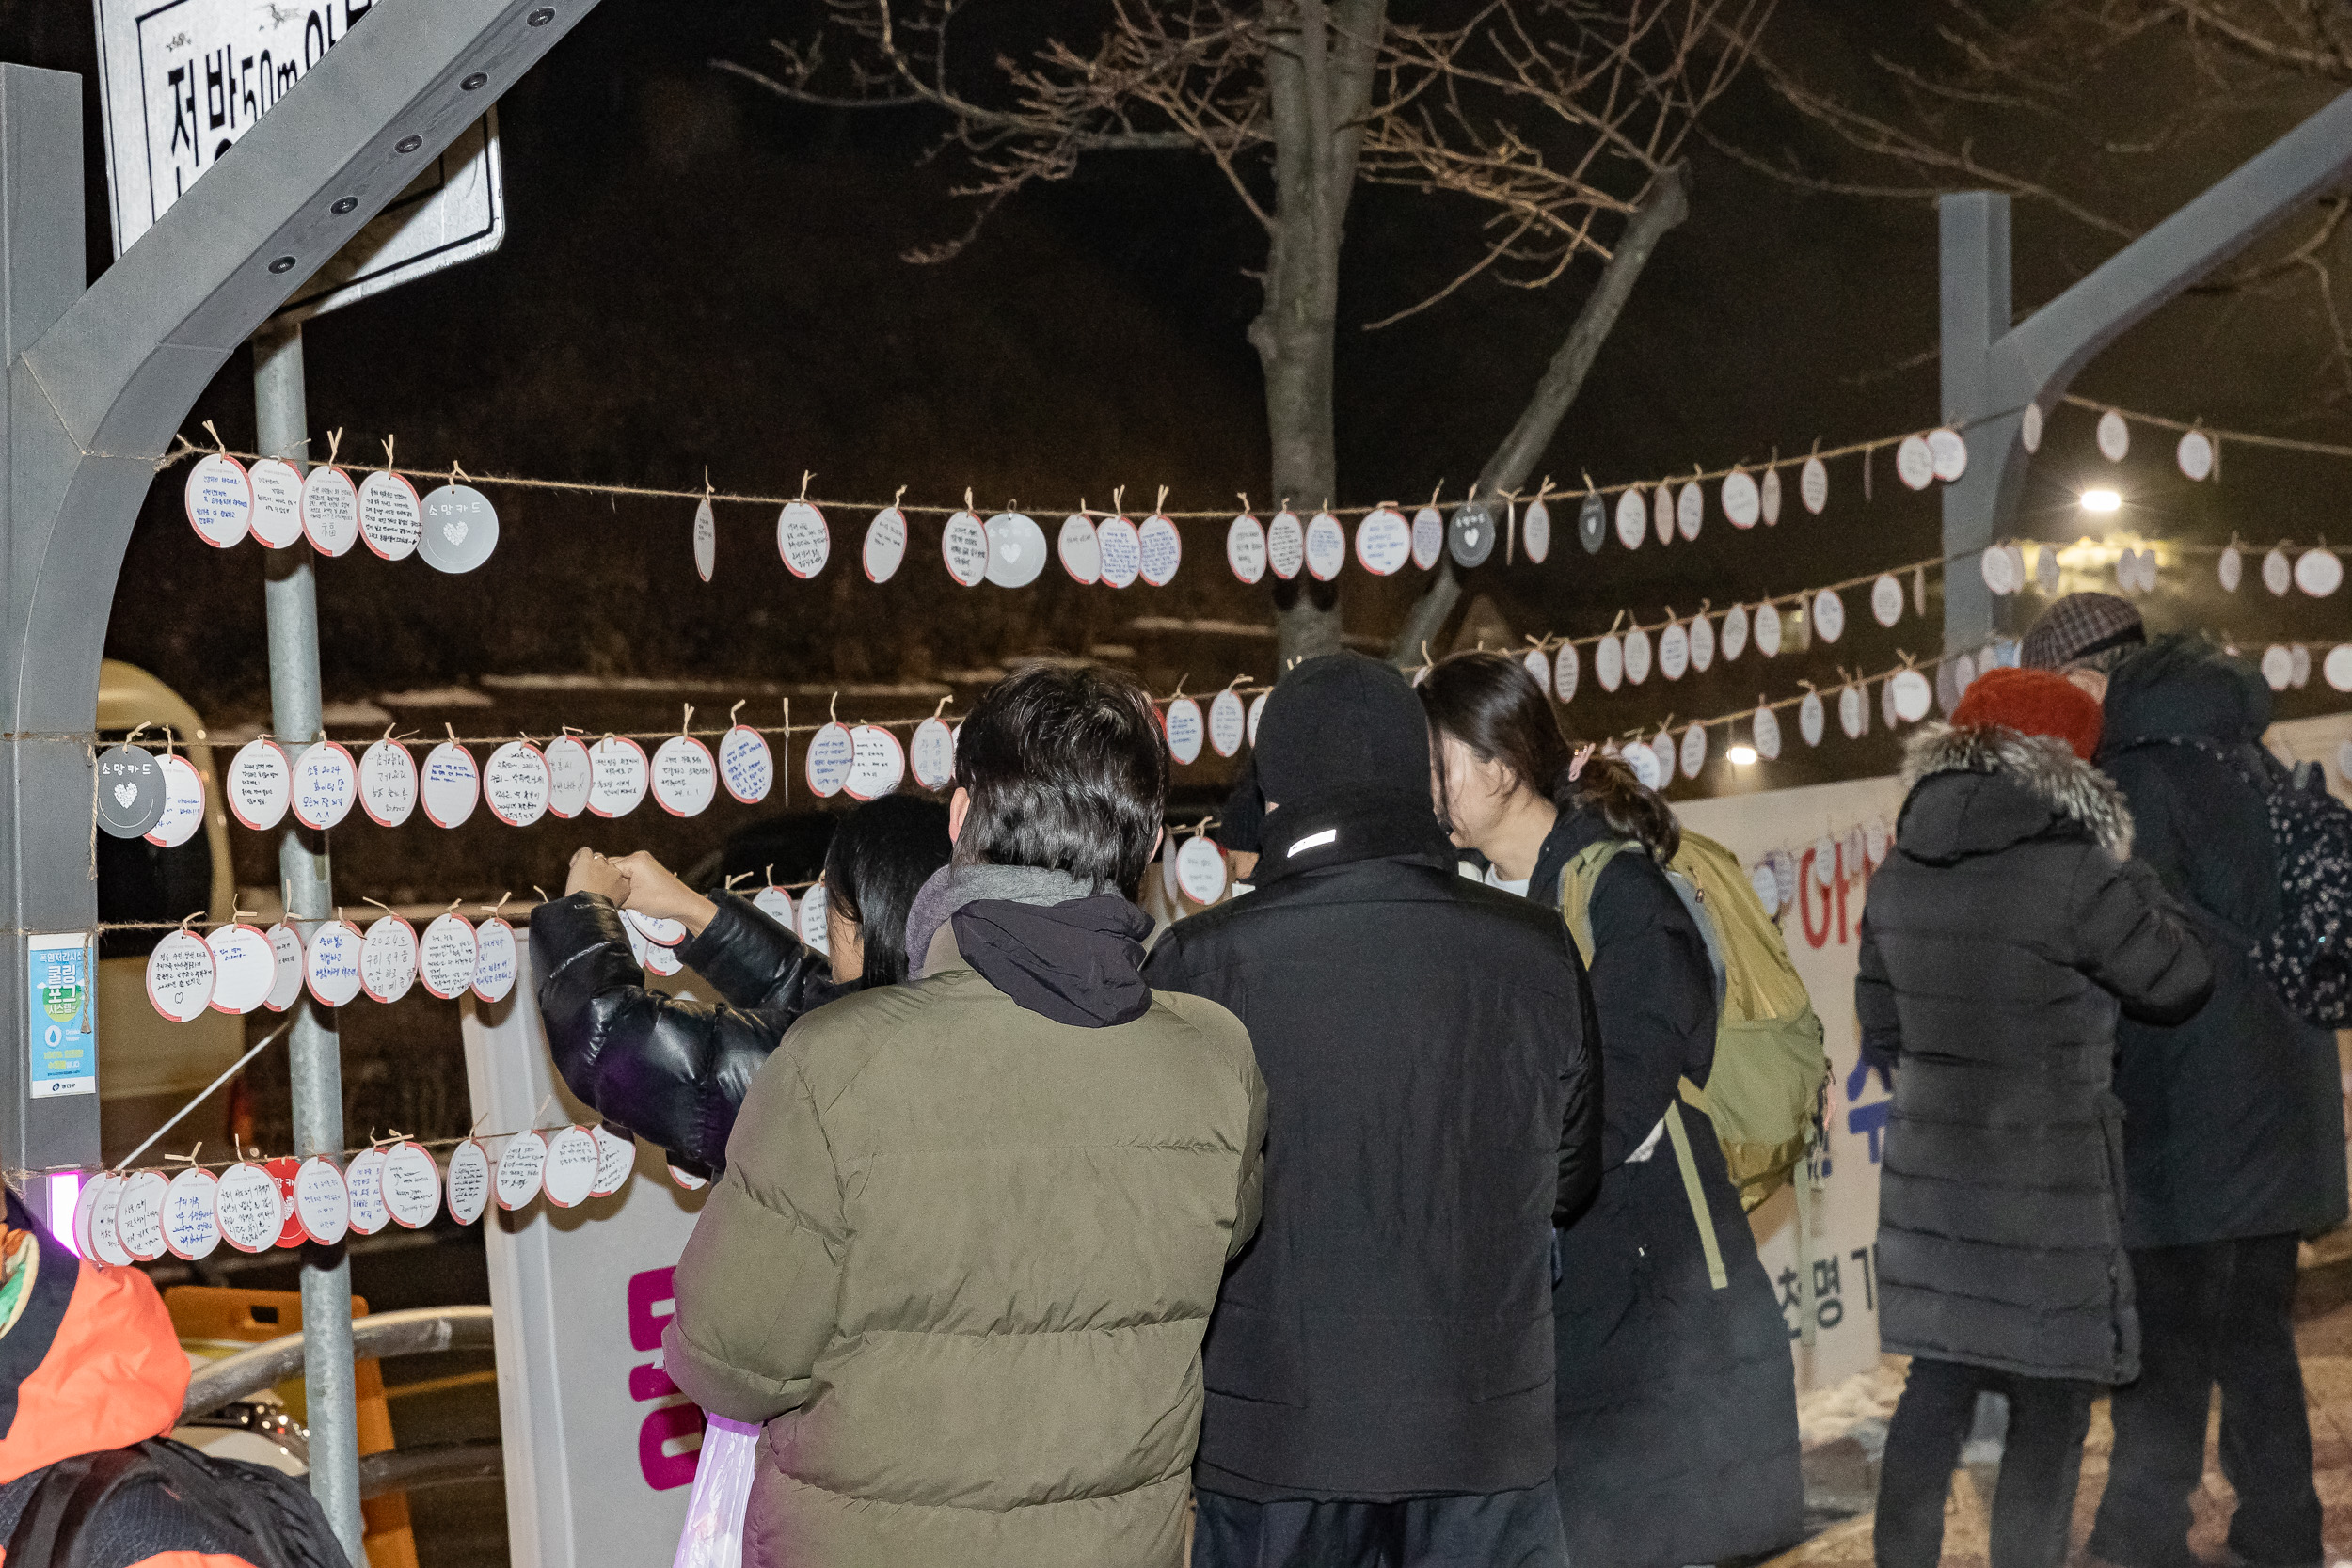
(951, 887)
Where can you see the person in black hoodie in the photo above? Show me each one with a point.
(2233, 1134)
(2003, 935)
(1379, 1368)
(1677, 1396)
(675, 1070)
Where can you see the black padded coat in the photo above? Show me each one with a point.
(669, 1069)
(2001, 937)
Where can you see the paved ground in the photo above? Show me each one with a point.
(1839, 1473)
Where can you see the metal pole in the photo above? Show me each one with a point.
(291, 603)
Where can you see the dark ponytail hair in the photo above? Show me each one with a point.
(1490, 703)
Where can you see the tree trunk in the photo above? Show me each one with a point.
(1319, 75)
(1508, 469)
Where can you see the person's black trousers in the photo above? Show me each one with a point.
(2034, 1504)
(2221, 1311)
(1499, 1530)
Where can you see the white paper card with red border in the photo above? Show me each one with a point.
(827, 760)
(330, 512)
(183, 802)
(522, 1165)
(218, 499)
(1244, 548)
(1326, 546)
(1163, 551)
(139, 1214)
(449, 784)
(617, 1157)
(746, 765)
(260, 784)
(245, 968)
(814, 930)
(569, 774)
(392, 518)
(1121, 548)
(1383, 542)
(387, 958)
(1285, 544)
(1227, 722)
(446, 956)
(179, 976)
(277, 503)
(250, 1213)
(364, 1180)
(325, 785)
(412, 1186)
(776, 904)
(192, 1214)
(802, 539)
(1081, 553)
(931, 753)
(963, 545)
(514, 784)
(322, 1202)
(878, 764)
(886, 544)
(685, 779)
(494, 961)
(330, 963)
(387, 784)
(617, 776)
(1186, 731)
(285, 945)
(468, 1181)
(1200, 869)
(570, 1178)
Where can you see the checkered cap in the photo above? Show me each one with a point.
(2078, 627)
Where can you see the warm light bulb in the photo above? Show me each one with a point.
(1741, 756)
(2102, 501)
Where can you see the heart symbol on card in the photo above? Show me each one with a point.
(125, 793)
(1469, 537)
(455, 531)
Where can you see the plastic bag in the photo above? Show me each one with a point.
(713, 1537)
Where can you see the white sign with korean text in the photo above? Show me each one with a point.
(182, 80)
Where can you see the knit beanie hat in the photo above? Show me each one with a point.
(1343, 725)
(2033, 702)
(2078, 627)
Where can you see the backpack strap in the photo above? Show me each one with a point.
(1716, 1277)
(64, 1502)
(1578, 880)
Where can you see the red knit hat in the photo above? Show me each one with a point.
(2033, 702)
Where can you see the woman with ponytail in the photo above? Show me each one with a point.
(1676, 1393)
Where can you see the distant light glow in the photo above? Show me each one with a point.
(1741, 756)
(2102, 501)
(65, 1190)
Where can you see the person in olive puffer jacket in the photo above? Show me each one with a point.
(674, 1070)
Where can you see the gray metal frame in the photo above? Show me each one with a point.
(1993, 370)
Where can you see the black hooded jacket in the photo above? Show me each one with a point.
(671, 1070)
(1434, 1092)
(2236, 1118)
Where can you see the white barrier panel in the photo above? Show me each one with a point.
(600, 1447)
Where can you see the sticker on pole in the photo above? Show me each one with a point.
(277, 503)
(1227, 722)
(876, 763)
(1200, 869)
(569, 775)
(886, 544)
(931, 753)
(285, 950)
(617, 776)
(1326, 546)
(387, 959)
(514, 784)
(412, 1186)
(746, 767)
(261, 784)
(451, 784)
(522, 1165)
(468, 1181)
(963, 545)
(387, 784)
(330, 511)
(706, 539)
(1080, 551)
(330, 963)
(1122, 551)
(1285, 544)
(183, 802)
(685, 778)
(461, 528)
(802, 539)
(1186, 731)
(1534, 533)
(218, 499)
(363, 1179)
(322, 1202)
(446, 956)
(1244, 548)
(325, 783)
(245, 968)
(179, 976)
(571, 1173)
(192, 1214)
(1016, 550)
(1383, 542)
(248, 1210)
(392, 519)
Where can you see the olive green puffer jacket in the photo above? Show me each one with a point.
(960, 1263)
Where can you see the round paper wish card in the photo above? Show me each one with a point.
(1768, 496)
(1644, 762)
(1592, 523)
(219, 499)
(2337, 667)
(1120, 550)
(1244, 548)
(1383, 542)
(776, 904)
(1633, 519)
(1764, 728)
(325, 783)
(687, 1180)
(1429, 535)
(283, 1170)
(1285, 544)
(1854, 714)
(1742, 505)
(569, 774)
(813, 931)
(387, 959)
(706, 539)
(1674, 650)
(1200, 869)
(277, 503)
(1913, 464)
(571, 1170)
(468, 1181)
(2029, 428)
(1326, 546)
(1228, 724)
(963, 545)
(827, 761)
(131, 797)
(1534, 531)
(1565, 671)
(248, 1208)
(387, 784)
(886, 544)
(184, 803)
(617, 776)
(685, 779)
(523, 1166)
(2318, 573)
(746, 767)
(392, 519)
(1829, 615)
(461, 528)
(1911, 695)
(495, 960)
(1812, 719)
(179, 976)
(655, 930)
(2302, 656)
(1735, 632)
(1813, 486)
(1702, 644)
(1081, 553)
(1886, 600)
(802, 539)
(1637, 652)
(1694, 751)
(86, 1209)
(261, 784)
(446, 956)
(1950, 453)
(1161, 551)
(1767, 629)
(1471, 533)
(1662, 513)
(364, 1180)
(322, 1202)
(2115, 437)
(330, 511)
(1608, 663)
(192, 1214)
(285, 951)
(330, 964)
(1690, 511)
(412, 1186)
(245, 968)
(514, 784)
(1016, 550)
(2277, 576)
(449, 784)
(617, 1157)
(2278, 668)
(931, 753)
(139, 1214)
(1181, 720)
(1538, 666)
(1257, 708)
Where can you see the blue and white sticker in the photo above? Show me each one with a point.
(64, 1033)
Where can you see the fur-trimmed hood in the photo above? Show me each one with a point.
(2003, 787)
